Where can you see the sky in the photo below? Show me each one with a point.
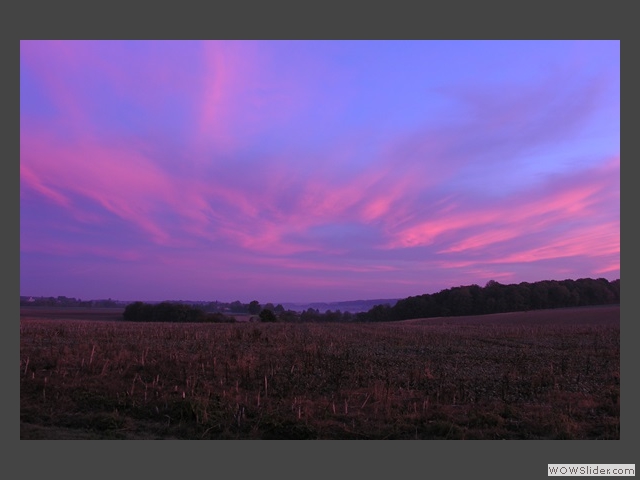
(304, 171)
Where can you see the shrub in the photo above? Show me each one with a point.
(267, 316)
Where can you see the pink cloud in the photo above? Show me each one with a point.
(218, 95)
(243, 96)
(371, 200)
(611, 268)
(524, 218)
(529, 212)
(123, 182)
(589, 241)
(483, 239)
(131, 186)
(27, 177)
(426, 232)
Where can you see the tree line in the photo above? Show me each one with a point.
(494, 297)
(252, 308)
(62, 301)
(498, 298)
(171, 312)
(184, 313)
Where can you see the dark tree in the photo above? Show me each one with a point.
(310, 315)
(254, 307)
(133, 312)
(237, 306)
(268, 316)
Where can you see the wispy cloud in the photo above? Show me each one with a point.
(231, 154)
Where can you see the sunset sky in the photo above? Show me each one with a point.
(300, 171)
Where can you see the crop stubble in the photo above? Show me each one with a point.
(532, 375)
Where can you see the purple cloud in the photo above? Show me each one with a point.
(298, 170)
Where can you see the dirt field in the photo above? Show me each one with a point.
(598, 315)
(71, 313)
(551, 374)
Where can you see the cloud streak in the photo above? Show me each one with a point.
(191, 158)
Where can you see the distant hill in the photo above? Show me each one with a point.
(351, 306)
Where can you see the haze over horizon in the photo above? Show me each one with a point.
(315, 171)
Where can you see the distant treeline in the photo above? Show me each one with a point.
(63, 301)
(171, 312)
(494, 297)
(498, 298)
